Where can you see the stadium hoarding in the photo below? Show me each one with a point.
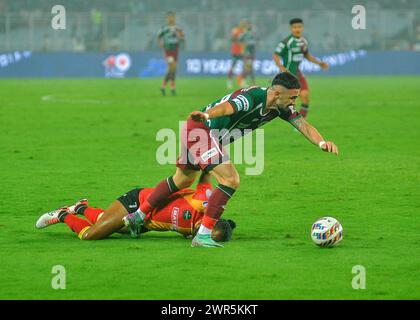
(29, 64)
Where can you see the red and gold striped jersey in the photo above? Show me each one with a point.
(182, 214)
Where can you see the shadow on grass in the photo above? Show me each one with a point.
(163, 237)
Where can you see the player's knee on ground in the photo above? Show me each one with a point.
(94, 234)
(91, 235)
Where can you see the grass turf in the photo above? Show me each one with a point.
(66, 139)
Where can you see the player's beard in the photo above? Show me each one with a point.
(277, 105)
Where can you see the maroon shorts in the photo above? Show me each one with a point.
(200, 150)
(171, 53)
(303, 82)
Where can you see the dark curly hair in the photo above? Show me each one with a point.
(223, 230)
(287, 80)
(295, 20)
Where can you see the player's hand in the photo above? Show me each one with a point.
(198, 116)
(324, 65)
(329, 146)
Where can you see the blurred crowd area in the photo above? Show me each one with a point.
(133, 25)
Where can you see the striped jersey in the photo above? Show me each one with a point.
(249, 105)
(292, 51)
(249, 40)
(171, 37)
(183, 212)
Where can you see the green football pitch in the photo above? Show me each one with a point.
(66, 139)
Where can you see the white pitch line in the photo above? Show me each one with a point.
(53, 98)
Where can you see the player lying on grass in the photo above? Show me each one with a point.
(182, 212)
(205, 133)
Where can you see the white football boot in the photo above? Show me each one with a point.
(50, 218)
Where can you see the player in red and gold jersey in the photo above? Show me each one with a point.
(236, 49)
(182, 213)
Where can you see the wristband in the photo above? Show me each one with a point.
(206, 116)
(321, 144)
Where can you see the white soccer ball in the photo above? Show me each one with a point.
(327, 232)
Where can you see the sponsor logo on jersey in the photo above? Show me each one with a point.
(208, 154)
(174, 218)
(298, 57)
(186, 214)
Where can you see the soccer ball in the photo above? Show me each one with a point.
(327, 232)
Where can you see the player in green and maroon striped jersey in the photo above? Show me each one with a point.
(289, 54)
(205, 133)
(170, 37)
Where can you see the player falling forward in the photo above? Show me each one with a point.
(182, 213)
(236, 49)
(202, 148)
(290, 53)
(249, 40)
(170, 38)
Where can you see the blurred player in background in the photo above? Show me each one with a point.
(236, 49)
(170, 38)
(290, 53)
(249, 40)
(182, 212)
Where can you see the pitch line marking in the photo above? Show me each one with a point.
(53, 98)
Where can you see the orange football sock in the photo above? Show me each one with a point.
(78, 225)
(93, 214)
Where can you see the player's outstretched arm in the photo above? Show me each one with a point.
(181, 36)
(312, 59)
(223, 109)
(313, 135)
